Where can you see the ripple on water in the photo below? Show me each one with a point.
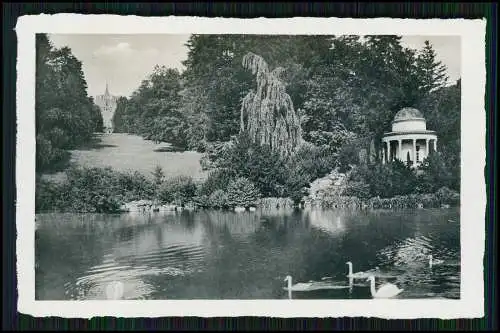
(410, 258)
(177, 255)
(171, 262)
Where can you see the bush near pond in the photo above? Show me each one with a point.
(442, 197)
(97, 190)
(102, 190)
(179, 190)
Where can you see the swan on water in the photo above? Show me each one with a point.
(433, 261)
(311, 286)
(387, 290)
(114, 290)
(360, 275)
(289, 286)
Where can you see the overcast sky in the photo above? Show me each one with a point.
(125, 60)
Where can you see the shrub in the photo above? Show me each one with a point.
(133, 186)
(357, 189)
(447, 196)
(216, 180)
(216, 155)
(297, 185)
(218, 199)
(99, 190)
(50, 158)
(178, 190)
(257, 163)
(242, 192)
(436, 173)
(390, 179)
(92, 190)
(309, 163)
(348, 156)
(313, 160)
(158, 175)
(276, 202)
(48, 195)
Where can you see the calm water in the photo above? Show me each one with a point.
(227, 255)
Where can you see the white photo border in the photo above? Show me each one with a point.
(473, 157)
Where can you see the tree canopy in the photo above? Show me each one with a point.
(65, 116)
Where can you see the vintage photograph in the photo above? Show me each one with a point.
(240, 166)
(226, 167)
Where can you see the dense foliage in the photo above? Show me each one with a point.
(397, 178)
(343, 88)
(154, 110)
(98, 190)
(340, 92)
(65, 116)
(103, 190)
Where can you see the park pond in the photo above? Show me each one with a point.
(227, 255)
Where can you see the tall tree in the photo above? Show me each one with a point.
(65, 116)
(267, 114)
(432, 72)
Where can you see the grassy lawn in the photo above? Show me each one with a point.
(125, 152)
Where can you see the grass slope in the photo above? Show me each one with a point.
(125, 152)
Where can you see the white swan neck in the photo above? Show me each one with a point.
(372, 287)
(289, 287)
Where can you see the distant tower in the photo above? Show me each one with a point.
(107, 104)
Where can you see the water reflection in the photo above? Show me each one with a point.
(228, 255)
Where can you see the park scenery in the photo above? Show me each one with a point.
(247, 167)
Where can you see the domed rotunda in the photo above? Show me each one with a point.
(410, 140)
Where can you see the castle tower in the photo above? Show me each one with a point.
(107, 104)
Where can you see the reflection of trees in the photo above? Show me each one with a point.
(331, 222)
(237, 224)
(211, 254)
(155, 237)
(68, 246)
(64, 249)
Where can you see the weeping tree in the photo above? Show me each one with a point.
(267, 114)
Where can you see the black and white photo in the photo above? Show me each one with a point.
(188, 165)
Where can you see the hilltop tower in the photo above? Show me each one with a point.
(107, 104)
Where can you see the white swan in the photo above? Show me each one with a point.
(114, 290)
(310, 286)
(289, 286)
(388, 290)
(360, 275)
(433, 261)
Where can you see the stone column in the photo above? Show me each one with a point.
(399, 150)
(435, 144)
(388, 146)
(414, 151)
(427, 147)
(383, 152)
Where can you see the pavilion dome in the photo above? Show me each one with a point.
(407, 114)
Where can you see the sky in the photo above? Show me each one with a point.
(123, 61)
